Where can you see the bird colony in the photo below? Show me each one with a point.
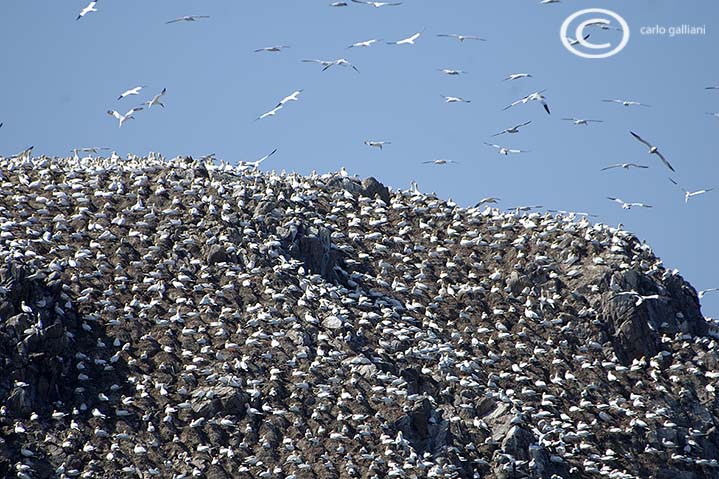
(183, 318)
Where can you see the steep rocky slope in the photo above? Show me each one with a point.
(177, 319)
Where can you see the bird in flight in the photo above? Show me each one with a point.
(628, 206)
(715, 115)
(705, 291)
(653, 150)
(455, 99)
(582, 121)
(517, 76)
(189, 18)
(330, 63)
(505, 151)
(712, 88)
(536, 96)
(514, 129)
(574, 41)
(461, 38)
(272, 112)
(378, 4)
(246, 165)
(92, 149)
(131, 91)
(126, 116)
(451, 72)
(366, 43)
(440, 161)
(626, 166)
(407, 41)
(484, 201)
(377, 144)
(273, 48)
(627, 102)
(89, 8)
(688, 194)
(156, 99)
(339, 4)
(640, 298)
(294, 96)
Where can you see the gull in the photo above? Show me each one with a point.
(273, 49)
(131, 91)
(705, 291)
(455, 99)
(514, 129)
(574, 41)
(653, 150)
(126, 116)
(517, 76)
(628, 206)
(440, 161)
(449, 71)
(582, 121)
(627, 102)
(272, 112)
(244, 165)
(291, 97)
(406, 41)
(626, 166)
(329, 63)
(489, 199)
(156, 99)
(536, 96)
(461, 38)
(640, 298)
(376, 144)
(366, 43)
(688, 194)
(189, 18)
(89, 8)
(378, 4)
(505, 151)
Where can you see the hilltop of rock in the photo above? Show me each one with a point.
(174, 318)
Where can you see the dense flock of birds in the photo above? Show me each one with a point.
(189, 338)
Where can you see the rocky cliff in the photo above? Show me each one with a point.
(177, 319)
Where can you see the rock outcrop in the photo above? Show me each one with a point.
(176, 319)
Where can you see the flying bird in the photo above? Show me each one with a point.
(378, 4)
(440, 161)
(688, 194)
(245, 165)
(273, 49)
(640, 298)
(484, 201)
(131, 91)
(536, 96)
(406, 41)
(715, 115)
(377, 144)
(89, 8)
(330, 63)
(451, 72)
(582, 121)
(712, 88)
(294, 96)
(705, 291)
(455, 99)
(126, 116)
(505, 151)
(626, 166)
(189, 18)
(628, 206)
(574, 41)
(92, 149)
(517, 76)
(627, 102)
(366, 43)
(653, 150)
(514, 129)
(461, 38)
(156, 99)
(339, 4)
(272, 112)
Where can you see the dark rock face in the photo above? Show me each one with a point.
(173, 320)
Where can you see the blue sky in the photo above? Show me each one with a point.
(60, 76)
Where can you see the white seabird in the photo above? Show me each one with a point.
(513, 129)
(407, 41)
(505, 151)
(653, 150)
(189, 18)
(628, 206)
(461, 38)
(89, 8)
(626, 166)
(126, 116)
